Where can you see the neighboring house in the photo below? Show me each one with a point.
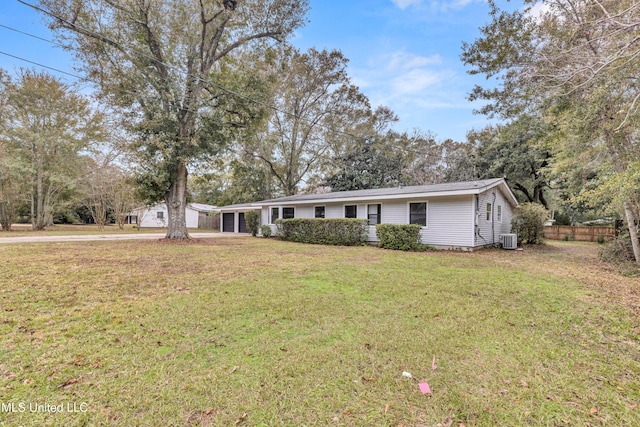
(157, 215)
(461, 215)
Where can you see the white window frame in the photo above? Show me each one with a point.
(288, 207)
(271, 220)
(489, 212)
(344, 209)
(379, 214)
(426, 212)
(324, 211)
(499, 213)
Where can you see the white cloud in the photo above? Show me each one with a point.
(403, 4)
(415, 81)
(449, 5)
(408, 61)
(420, 89)
(400, 78)
(538, 10)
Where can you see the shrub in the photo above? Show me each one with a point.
(402, 237)
(528, 223)
(324, 231)
(252, 219)
(619, 249)
(265, 230)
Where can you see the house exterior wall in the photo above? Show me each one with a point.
(449, 219)
(455, 219)
(449, 222)
(490, 228)
(148, 217)
(192, 218)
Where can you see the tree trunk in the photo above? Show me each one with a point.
(6, 215)
(39, 214)
(176, 200)
(633, 231)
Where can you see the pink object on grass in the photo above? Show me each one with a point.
(424, 388)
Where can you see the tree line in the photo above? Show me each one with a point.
(208, 101)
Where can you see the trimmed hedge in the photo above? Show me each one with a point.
(401, 237)
(265, 230)
(324, 231)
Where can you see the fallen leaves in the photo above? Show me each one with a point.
(69, 382)
(242, 418)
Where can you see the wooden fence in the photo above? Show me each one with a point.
(210, 222)
(583, 234)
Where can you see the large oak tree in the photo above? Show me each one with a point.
(159, 61)
(574, 62)
(316, 107)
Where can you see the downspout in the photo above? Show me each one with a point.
(493, 220)
(478, 220)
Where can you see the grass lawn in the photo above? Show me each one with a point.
(83, 229)
(76, 229)
(260, 332)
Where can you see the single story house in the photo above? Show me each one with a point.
(157, 215)
(460, 215)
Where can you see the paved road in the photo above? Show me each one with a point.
(97, 237)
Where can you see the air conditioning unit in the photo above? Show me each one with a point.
(509, 241)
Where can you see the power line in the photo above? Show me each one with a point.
(175, 68)
(40, 65)
(30, 35)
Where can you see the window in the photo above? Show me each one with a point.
(499, 213)
(418, 213)
(288, 213)
(319, 211)
(351, 211)
(160, 215)
(489, 211)
(275, 214)
(373, 214)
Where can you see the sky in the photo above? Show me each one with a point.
(404, 54)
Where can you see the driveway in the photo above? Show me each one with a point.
(106, 237)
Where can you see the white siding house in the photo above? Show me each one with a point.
(462, 215)
(157, 215)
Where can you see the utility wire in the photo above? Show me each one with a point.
(175, 68)
(40, 65)
(30, 35)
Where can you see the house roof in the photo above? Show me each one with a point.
(200, 207)
(434, 190)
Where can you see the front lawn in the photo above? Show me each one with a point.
(250, 331)
(82, 229)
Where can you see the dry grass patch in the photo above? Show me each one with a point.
(261, 332)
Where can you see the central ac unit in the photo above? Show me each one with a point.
(509, 241)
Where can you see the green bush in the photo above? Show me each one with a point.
(252, 219)
(528, 223)
(265, 230)
(324, 231)
(402, 237)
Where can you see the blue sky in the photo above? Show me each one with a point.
(402, 53)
